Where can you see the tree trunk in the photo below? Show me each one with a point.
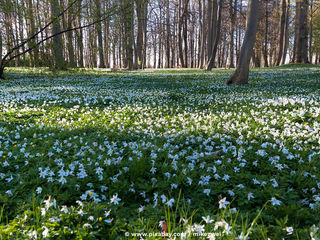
(114, 58)
(160, 44)
(154, 50)
(265, 48)
(192, 43)
(20, 12)
(185, 31)
(144, 52)
(180, 19)
(282, 31)
(301, 34)
(16, 37)
(257, 54)
(141, 13)
(212, 26)
(203, 35)
(128, 30)
(238, 42)
(232, 13)
(43, 54)
(1, 64)
(1, 70)
(174, 41)
(0, 45)
(57, 45)
(241, 74)
(286, 35)
(106, 44)
(210, 63)
(127, 19)
(222, 57)
(99, 33)
(311, 31)
(79, 34)
(168, 35)
(70, 37)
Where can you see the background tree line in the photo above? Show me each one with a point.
(157, 33)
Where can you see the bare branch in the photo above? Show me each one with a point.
(36, 34)
(110, 12)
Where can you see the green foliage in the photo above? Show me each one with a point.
(89, 154)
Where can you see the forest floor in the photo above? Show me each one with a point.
(96, 155)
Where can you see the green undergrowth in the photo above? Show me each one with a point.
(88, 154)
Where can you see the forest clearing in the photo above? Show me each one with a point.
(160, 119)
(122, 152)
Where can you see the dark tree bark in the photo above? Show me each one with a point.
(20, 7)
(31, 30)
(286, 34)
(1, 69)
(80, 39)
(15, 33)
(257, 57)
(121, 53)
(106, 39)
(127, 10)
(266, 33)
(154, 50)
(180, 21)
(168, 34)
(212, 26)
(114, 55)
(301, 34)
(282, 31)
(238, 32)
(57, 45)
(141, 12)
(193, 37)
(241, 74)
(210, 63)
(185, 31)
(311, 31)
(99, 33)
(92, 61)
(0, 45)
(160, 41)
(203, 33)
(70, 47)
(174, 48)
(232, 12)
